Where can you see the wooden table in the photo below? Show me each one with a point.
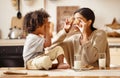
(36, 76)
(11, 76)
(62, 77)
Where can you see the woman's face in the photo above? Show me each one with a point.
(81, 22)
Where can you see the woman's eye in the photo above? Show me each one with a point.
(78, 18)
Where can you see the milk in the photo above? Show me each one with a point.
(102, 63)
(77, 64)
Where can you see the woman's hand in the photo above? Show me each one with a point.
(81, 26)
(68, 24)
(41, 35)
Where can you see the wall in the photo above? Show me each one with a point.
(7, 11)
(105, 10)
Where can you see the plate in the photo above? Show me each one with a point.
(84, 68)
(88, 68)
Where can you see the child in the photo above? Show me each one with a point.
(39, 36)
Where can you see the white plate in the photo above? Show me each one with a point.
(83, 69)
(89, 68)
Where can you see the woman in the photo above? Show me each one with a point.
(90, 41)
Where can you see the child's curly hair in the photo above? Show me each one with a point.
(33, 20)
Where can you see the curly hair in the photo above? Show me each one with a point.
(33, 20)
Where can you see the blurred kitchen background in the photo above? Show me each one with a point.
(105, 11)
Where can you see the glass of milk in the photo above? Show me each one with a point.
(77, 62)
(102, 60)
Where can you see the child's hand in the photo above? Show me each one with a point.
(41, 35)
(49, 29)
(47, 42)
(48, 34)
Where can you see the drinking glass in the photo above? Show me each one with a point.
(77, 62)
(77, 56)
(102, 60)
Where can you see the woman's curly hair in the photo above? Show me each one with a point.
(33, 20)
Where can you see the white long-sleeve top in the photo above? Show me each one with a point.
(89, 51)
(33, 46)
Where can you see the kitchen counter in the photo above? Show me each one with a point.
(11, 42)
(15, 46)
(11, 51)
(114, 41)
(5, 42)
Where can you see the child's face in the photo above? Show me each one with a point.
(46, 20)
(42, 29)
(39, 30)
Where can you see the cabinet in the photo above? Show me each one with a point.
(11, 53)
(115, 55)
(114, 44)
